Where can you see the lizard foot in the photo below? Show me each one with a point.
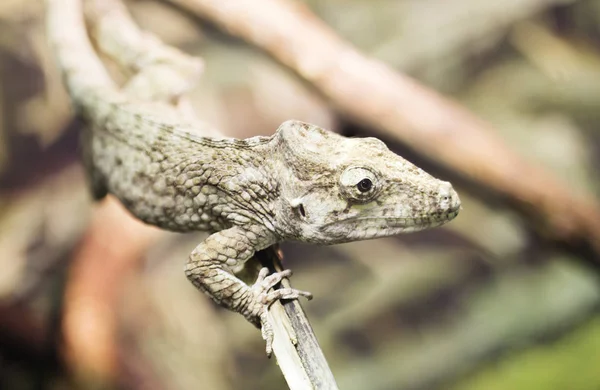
(265, 298)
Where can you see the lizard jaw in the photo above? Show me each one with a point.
(366, 228)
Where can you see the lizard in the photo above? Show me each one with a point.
(303, 183)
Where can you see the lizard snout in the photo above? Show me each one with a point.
(448, 199)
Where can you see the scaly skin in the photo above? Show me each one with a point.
(303, 183)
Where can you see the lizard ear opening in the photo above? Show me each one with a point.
(298, 207)
(301, 210)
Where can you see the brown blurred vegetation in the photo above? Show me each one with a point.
(90, 298)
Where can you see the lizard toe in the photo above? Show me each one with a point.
(266, 330)
(264, 297)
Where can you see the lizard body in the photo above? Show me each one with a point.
(302, 183)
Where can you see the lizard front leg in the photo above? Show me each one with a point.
(209, 269)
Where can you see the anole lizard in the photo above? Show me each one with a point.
(303, 183)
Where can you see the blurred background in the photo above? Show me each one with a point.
(90, 298)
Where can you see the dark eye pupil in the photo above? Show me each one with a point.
(364, 185)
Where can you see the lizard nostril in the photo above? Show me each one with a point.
(447, 196)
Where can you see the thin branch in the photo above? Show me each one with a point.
(307, 352)
(396, 106)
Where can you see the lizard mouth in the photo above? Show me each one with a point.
(425, 221)
(369, 227)
(402, 223)
(419, 223)
(366, 228)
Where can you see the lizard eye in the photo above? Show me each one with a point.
(359, 184)
(364, 185)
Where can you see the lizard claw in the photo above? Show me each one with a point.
(265, 298)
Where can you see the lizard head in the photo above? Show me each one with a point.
(338, 189)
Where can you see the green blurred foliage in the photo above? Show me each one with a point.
(568, 363)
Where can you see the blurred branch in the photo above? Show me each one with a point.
(572, 65)
(110, 251)
(436, 46)
(457, 29)
(394, 105)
